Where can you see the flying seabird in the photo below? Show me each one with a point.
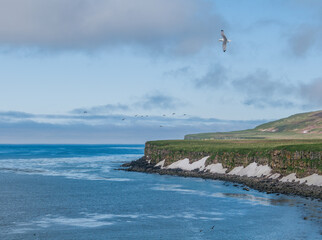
(224, 40)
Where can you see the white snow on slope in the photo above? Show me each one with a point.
(236, 170)
(185, 165)
(313, 179)
(160, 164)
(275, 176)
(252, 170)
(216, 168)
(289, 178)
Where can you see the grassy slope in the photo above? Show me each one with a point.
(299, 126)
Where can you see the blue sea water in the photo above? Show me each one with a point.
(74, 192)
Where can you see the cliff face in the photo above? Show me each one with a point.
(303, 163)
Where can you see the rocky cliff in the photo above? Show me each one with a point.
(302, 162)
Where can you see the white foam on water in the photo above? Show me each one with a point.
(246, 198)
(177, 188)
(96, 168)
(111, 216)
(50, 221)
(95, 220)
(92, 220)
(117, 179)
(85, 222)
(188, 215)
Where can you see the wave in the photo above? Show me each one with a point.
(86, 168)
(96, 220)
(246, 198)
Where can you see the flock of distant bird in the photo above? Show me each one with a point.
(142, 116)
(224, 41)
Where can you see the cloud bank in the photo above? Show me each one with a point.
(176, 26)
(20, 127)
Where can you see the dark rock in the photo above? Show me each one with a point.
(260, 184)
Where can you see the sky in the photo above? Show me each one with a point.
(71, 71)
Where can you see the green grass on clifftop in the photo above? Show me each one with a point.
(241, 146)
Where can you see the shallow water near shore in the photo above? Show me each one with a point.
(74, 192)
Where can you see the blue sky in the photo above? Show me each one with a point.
(117, 59)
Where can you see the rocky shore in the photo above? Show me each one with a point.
(262, 184)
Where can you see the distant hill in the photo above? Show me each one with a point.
(298, 126)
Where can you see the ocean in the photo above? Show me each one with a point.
(76, 192)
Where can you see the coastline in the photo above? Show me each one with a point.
(261, 184)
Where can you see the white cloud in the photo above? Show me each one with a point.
(178, 26)
(129, 132)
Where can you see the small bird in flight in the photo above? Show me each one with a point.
(224, 40)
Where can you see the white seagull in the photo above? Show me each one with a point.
(224, 40)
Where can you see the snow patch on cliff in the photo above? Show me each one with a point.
(185, 165)
(216, 168)
(275, 176)
(160, 164)
(313, 179)
(252, 170)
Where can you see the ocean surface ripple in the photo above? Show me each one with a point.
(74, 192)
